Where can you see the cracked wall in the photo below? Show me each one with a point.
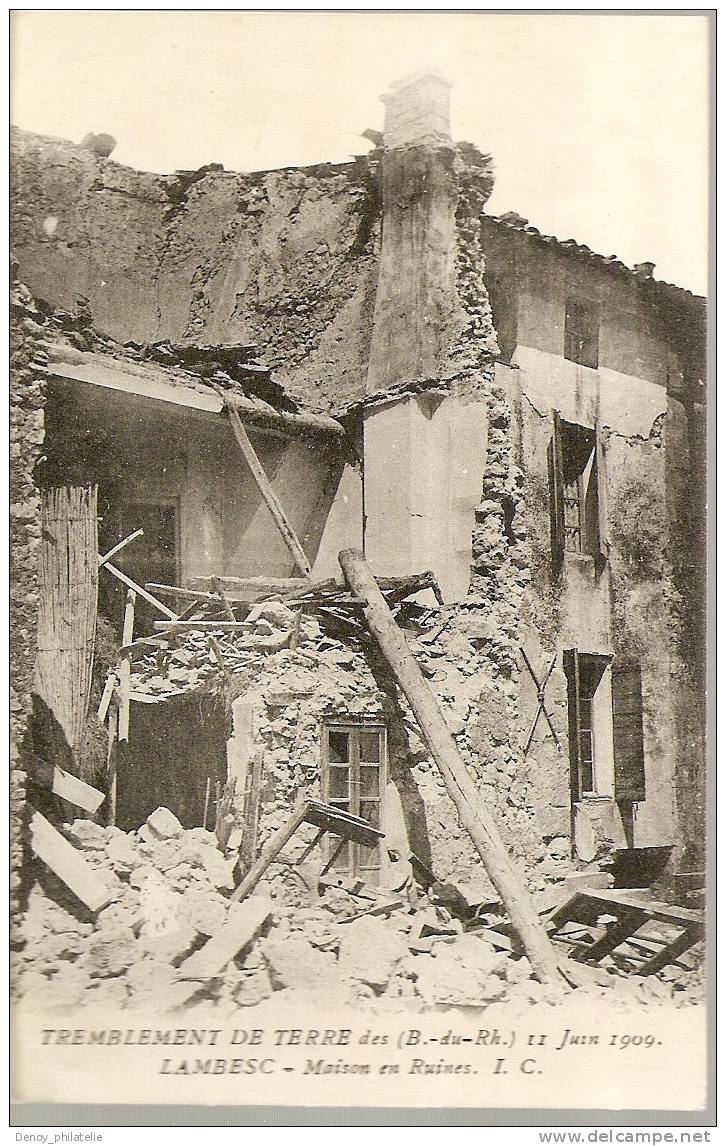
(285, 260)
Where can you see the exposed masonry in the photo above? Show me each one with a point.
(27, 395)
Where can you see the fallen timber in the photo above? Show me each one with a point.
(475, 817)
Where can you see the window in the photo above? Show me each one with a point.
(628, 732)
(576, 463)
(606, 747)
(503, 301)
(584, 672)
(582, 332)
(354, 778)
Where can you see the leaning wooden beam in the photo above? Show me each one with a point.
(271, 851)
(69, 865)
(141, 592)
(270, 497)
(63, 784)
(474, 815)
(121, 545)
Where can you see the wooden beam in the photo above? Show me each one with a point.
(202, 626)
(271, 851)
(270, 497)
(243, 925)
(68, 864)
(474, 815)
(62, 783)
(140, 591)
(120, 747)
(121, 545)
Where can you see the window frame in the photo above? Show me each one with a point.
(594, 542)
(353, 728)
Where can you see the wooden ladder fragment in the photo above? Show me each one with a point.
(475, 816)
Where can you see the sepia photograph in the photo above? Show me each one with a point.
(358, 563)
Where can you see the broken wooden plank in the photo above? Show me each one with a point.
(111, 681)
(672, 950)
(244, 923)
(268, 494)
(251, 810)
(225, 603)
(68, 864)
(270, 852)
(119, 749)
(474, 815)
(201, 626)
(148, 597)
(121, 545)
(62, 783)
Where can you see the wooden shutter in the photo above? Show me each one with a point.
(628, 732)
(557, 494)
(571, 665)
(602, 547)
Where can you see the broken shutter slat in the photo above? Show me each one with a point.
(269, 496)
(627, 694)
(603, 543)
(557, 494)
(69, 865)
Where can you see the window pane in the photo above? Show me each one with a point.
(369, 859)
(369, 810)
(338, 783)
(370, 746)
(369, 782)
(338, 746)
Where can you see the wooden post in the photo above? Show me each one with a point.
(474, 816)
(270, 852)
(271, 499)
(119, 749)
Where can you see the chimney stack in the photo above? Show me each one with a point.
(417, 110)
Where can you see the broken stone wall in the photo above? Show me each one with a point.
(27, 396)
(634, 605)
(285, 260)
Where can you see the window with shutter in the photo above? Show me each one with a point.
(584, 673)
(627, 692)
(576, 466)
(354, 779)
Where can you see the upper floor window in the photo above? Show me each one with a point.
(582, 332)
(576, 463)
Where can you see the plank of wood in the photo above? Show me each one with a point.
(111, 682)
(626, 925)
(68, 864)
(244, 923)
(474, 815)
(121, 545)
(268, 494)
(62, 783)
(672, 951)
(151, 600)
(270, 852)
(663, 912)
(201, 626)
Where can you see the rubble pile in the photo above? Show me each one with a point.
(171, 938)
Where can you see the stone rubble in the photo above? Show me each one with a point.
(171, 890)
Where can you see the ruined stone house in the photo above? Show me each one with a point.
(445, 389)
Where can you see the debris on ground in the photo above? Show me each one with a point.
(171, 937)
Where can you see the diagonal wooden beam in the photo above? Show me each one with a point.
(270, 497)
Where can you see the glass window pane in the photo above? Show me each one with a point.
(338, 746)
(369, 858)
(369, 782)
(370, 811)
(338, 783)
(370, 746)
